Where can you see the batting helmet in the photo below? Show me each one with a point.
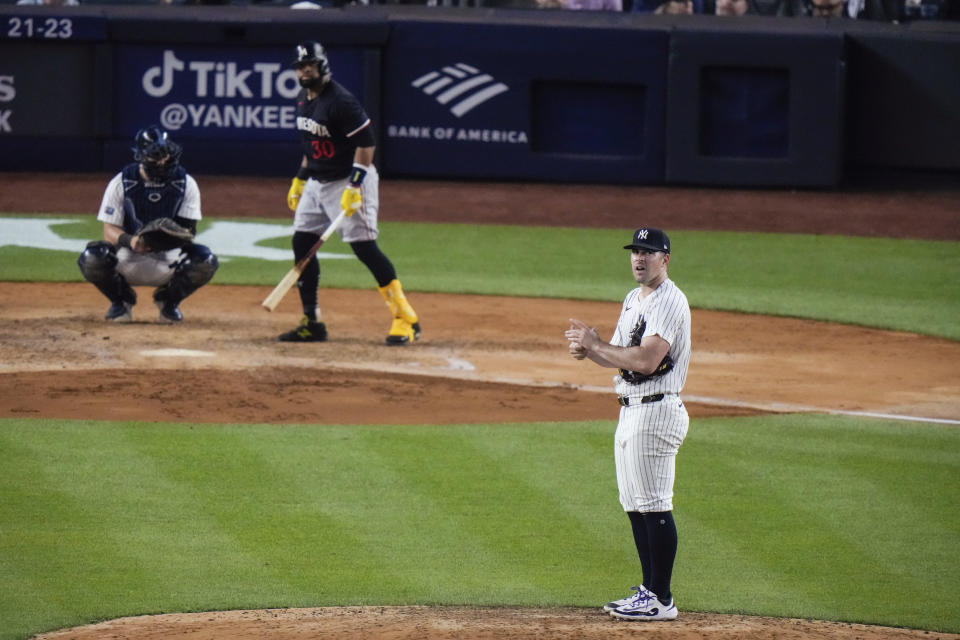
(158, 154)
(311, 52)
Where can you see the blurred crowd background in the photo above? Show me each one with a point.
(882, 10)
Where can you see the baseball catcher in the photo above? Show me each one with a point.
(149, 213)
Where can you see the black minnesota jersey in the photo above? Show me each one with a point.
(331, 127)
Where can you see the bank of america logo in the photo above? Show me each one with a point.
(460, 85)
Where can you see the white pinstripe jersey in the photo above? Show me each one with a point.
(666, 314)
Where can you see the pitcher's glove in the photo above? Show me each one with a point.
(634, 377)
(164, 234)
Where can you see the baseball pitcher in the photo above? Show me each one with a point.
(651, 352)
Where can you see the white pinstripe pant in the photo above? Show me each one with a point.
(645, 450)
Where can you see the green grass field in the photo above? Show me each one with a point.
(800, 516)
(804, 516)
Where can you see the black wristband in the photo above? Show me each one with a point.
(357, 175)
(124, 240)
(302, 173)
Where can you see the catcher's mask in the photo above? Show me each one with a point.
(311, 52)
(156, 152)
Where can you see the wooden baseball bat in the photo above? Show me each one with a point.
(271, 301)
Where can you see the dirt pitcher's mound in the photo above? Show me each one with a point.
(469, 623)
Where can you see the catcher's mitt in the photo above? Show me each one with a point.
(164, 234)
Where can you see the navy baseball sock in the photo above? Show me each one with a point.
(662, 537)
(640, 540)
(310, 277)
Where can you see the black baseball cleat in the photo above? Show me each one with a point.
(402, 332)
(169, 312)
(308, 331)
(119, 312)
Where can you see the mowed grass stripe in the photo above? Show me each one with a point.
(496, 522)
(805, 516)
(33, 560)
(826, 515)
(128, 531)
(292, 502)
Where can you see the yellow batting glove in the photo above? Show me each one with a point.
(351, 200)
(293, 196)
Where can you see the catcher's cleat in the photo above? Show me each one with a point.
(119, 312)
(169, 312)
(308, 331)
(402, 332)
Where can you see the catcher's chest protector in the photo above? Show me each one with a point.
(151, 202)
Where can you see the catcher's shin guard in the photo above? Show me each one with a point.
(196, 268)
(406, 324)
(98, 265)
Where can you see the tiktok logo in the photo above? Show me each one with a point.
(463, 86)
(221, 79)
(165, 72)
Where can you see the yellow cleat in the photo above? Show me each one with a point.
(402, 332)
(406, 324)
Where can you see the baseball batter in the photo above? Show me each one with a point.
(651, 351)
(155, 186)
(337, 172)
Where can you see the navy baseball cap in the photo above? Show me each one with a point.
(649, 238)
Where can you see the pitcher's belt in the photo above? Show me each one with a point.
(626, 401)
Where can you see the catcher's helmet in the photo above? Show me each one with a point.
(312, 52)
(158, 154)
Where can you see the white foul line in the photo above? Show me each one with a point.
(464, 373)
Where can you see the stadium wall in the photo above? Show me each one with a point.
(488, 94)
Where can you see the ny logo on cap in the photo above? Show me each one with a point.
(642, 234)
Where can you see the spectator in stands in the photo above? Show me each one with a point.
(675, 8)
(582, 5)
(832, 8)
(668, 7)
(808, 8)
(51, 3)
(595, 5)
(928, 10)
(731, 7)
